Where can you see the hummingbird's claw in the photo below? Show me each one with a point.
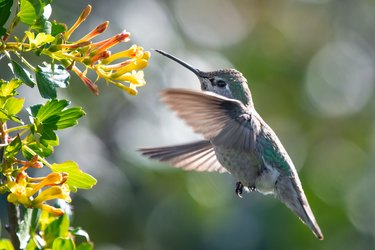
(239, 189)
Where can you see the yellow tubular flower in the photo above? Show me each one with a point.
(95, 32)
(54, 192)
(135, 65)
(50, 209)
(24, 188)
(110, 42)
(115, 68)
(18, 190)
(49, 180)
(135, 77)
(85, 13)
(92, 86)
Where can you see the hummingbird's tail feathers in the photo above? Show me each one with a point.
(292, 195)
(310, 220)
(224, 121)
(198, 156)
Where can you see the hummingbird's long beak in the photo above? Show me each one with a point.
(186, 65)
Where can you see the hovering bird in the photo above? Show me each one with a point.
(236, 140)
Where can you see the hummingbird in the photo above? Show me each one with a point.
(236, 140)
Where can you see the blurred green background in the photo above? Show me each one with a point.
(311, 69)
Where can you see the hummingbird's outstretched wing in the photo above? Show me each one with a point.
(198, 156)
(223, 121)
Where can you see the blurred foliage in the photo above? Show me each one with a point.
(310, 66)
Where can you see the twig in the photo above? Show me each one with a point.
(13, 210)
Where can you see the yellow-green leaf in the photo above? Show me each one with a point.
(63, 243)
(13, 105)
(29, 11)
(77, 178)
(6, 244)
(40, 39)
(9, 88)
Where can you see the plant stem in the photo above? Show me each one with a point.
(13, 215)
(17, 128)
(25, 61)
(13, 211)
(41, 159)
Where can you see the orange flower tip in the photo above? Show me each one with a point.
(102, 27)
(64, 178)
(123, 36)
(96, 31)
(50, 209)
(37, 165)
(86, 12)
(100, 56)
(92, 86)
(21, 176)
(57, 211)
(54, 178)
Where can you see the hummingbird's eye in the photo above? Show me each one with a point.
(221, 83)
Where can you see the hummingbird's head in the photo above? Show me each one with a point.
(226, 82)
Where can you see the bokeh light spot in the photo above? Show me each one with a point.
(340, 78)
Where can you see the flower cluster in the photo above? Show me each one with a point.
(116, 69)
(34, 192)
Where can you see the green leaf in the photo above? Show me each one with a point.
(42, 25)
(32, 245)
(46, 88)
(30, 11)
(50, 108)
(13, 148)
(76, 178)
(85, 246)
(22, 74)
(23, 232)
(63, 243)
(57, 228)
(5, 7)
(9, 88)
(10, 108)
(66, 118)
(46, 2)
(49, 78)
(35, 219)
(53, 114)
(39, 148)
(6, 245)
(13, 105)
(58, 28)
(2, 31)
(49, 138)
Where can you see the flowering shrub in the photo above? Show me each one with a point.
(41, 224)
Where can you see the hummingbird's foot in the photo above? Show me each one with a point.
(239, 189)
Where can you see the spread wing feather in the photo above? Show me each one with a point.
(223, 121)
(197, 156)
